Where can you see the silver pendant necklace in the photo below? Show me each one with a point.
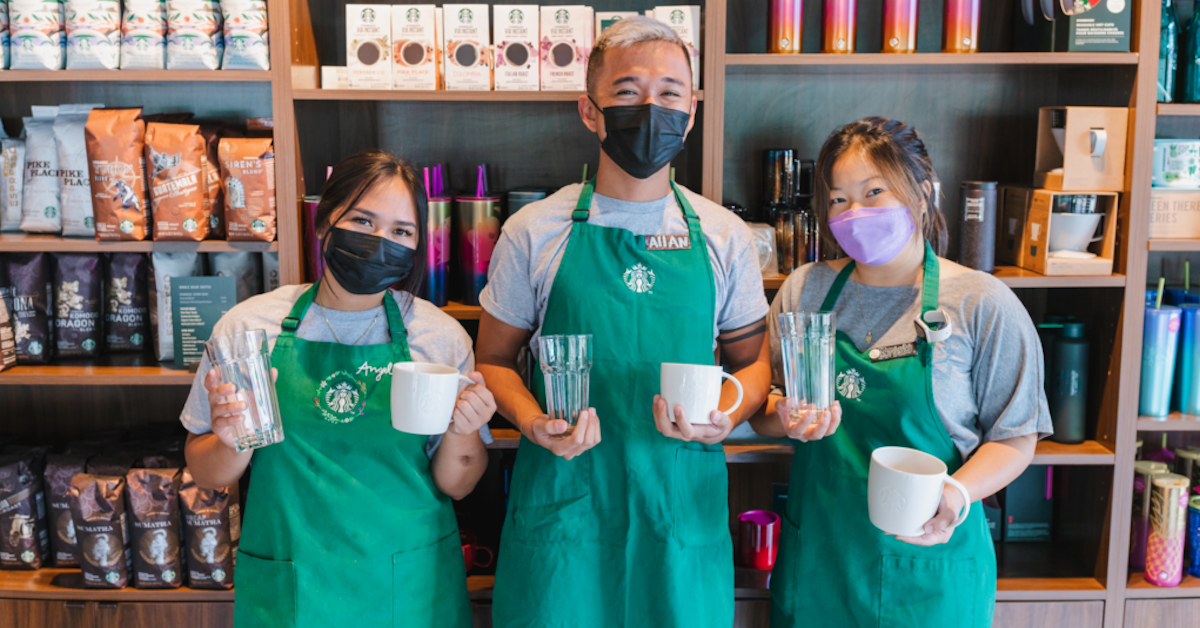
(360, 337)
(870, 338)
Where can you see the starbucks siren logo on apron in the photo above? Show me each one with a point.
(850, 384)
(341, 398)
(640, 279)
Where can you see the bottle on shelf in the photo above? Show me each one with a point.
(899, 26)
(1168, 52)
(960, 26)
(785, 26)
(1067, 392)
(841, 26)
(1189, 63)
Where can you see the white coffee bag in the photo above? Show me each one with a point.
(93, 31)
(41, 209)
(194, 37)
(37, 34)
(5, 37)
(75, 188)
(243, 266)
(246, 46)
(144, 35)
(167, 265)
(12, 178)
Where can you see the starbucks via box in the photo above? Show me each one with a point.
(567, 36)
(415, 47)
(466, 46)
(516, 41)
(685, 21)
(369, 46)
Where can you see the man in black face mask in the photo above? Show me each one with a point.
(631, 528)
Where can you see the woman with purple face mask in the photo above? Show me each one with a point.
(930, 355)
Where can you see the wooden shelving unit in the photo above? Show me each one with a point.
(32, 243)
(440, 95)
(1178, 109)
(1174, 422)
(935, 59)
(1139, 587)
(55, 375)
(140, 76)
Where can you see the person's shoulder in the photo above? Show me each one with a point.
(714, 217)
(815, 271)
(556, 207)
(268, 308)
(422, 316)
(975, 289)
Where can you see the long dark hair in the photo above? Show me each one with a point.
(900, 155)
(351, 179)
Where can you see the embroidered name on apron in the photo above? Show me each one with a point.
(883, 354)
(668, 242)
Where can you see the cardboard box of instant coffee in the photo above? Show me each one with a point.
(1174, 213)
(568, 33)
(467, 47)
(416, 47)
(516, 43)
(369, 46)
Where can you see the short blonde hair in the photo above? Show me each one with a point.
(627, 32)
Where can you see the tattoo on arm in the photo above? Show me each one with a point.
(758, 330)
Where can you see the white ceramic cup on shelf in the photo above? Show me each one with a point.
(904, 489)
(697, 389)
(423, 397)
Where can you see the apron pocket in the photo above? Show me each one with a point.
(429, 586)
(549, 490)
(928, 592)
(701, 507)
(264, 592)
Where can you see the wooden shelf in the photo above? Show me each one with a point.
(154, 76)
(1086, 453)
(441, 95)
(67, 584)
(1020, 278)
(774, 282)
(463, 312)
(937, 59)
(53, 375)
(1017, 589)
(1178, 109)
(1175, 422)
(36, 243)
(1138, 587)
(1174, 244)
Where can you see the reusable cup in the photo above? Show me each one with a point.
(471, 556)
(423, 397)
(1186, 389)
(243, 360)
(566, 365)
(697, 389)
(1159, 345)
(807, 344)
(904, 488)
(759, 538)
(1143, 472)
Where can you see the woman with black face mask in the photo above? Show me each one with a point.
(348, 520)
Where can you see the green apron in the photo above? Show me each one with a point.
(634, 532)
(833, 563)
(344, 526)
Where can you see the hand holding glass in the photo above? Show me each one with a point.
(807, 343)
(566, 364)
(242, 359)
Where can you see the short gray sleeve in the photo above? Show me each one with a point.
(509, 294)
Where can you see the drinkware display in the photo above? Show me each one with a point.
(520, 198)
(243, 360)
(1188, 89)
(904, 488)
(566, 362)
(437, 252)
(478, 226)
(1067, 389)
(697, 389)
(1159, 344)
(977, 231)
(807, 342)
(779, 175)
(758, 541)
(1192, 563)
(1185, 396)
(899, 26)
(960, 26)
(841, 26)
(1143, 472)
(1168, 51)
(1187, 464)
(1168, 518)
(784, 27)
(423, 396)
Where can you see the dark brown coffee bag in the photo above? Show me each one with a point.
(115, 141)
(77, 305)
(8, 342)
(248, 180)
(98, 510)
(154, 522)
(24, 533)
(214, 196)
(127, 306)
(59, 471)
(212, 527)
(175, 158)
(29, 288)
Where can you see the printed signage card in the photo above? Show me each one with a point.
(197, 303)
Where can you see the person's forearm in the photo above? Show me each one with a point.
(513, 400)
(458, 464)
(765, 423)
(756, 383)
(995, 465)
(212, 464)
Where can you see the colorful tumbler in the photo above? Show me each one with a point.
(1168, 520)
(1185, 395)
(899, 26)
(437, 253)
(785, 26)
(1159, 344)
(960, 26)
(841, 26)
(478, 219)
(1143, 472)
(1193, 536)
(759, 543)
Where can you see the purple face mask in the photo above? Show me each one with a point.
(873, 235)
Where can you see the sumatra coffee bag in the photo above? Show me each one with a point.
(245, 35)
(12, 180)
(59, 471)
(212, 526)
(77, 304)
(115, 141)
(98, 509)
(144, 35)
(214, 197)
(24, 536)
(243, 266)
(154, 522)
(163, 267)
(127, 303)
(41, 211)
(93, 30)
(75, 192)
(29, 277)
(37, 34)
(175, 156)
(248, 179)
(194, 38)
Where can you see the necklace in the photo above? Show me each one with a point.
(870, 332)
(335, 336)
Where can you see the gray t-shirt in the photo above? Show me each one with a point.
(987, 378)
(531, 247)
(433, 336)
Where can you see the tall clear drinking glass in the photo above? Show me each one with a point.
(243, 360)
(566, 364)
(808, 345)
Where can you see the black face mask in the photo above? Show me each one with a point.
(643, 138)
(366, 264)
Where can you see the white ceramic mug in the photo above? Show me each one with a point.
(423, 397)
(904, 489)
(697, 389)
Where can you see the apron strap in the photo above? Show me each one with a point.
(395, 320)
(835, 290)
(583, 206)
(929, 286)
(291, 322)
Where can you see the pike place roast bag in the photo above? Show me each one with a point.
(248, 179)
(175, 158)
(41, 211)
(77, 304)
(115, 142)
(24, 537)
(75, 193)
(127, 302)
(212, 525)
(59, 471)
(29, 277)
(98, 509)
(154, 522)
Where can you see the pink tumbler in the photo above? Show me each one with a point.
(759, 538)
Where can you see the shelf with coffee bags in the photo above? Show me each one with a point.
(1173, 422)
(1139, 587)
(443, 95)
(130, 76)
(736, 60)
(50, 243)
(95, 375)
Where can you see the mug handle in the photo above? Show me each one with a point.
(480, 549)
(739, 389)
(467, 380)
(966, 501)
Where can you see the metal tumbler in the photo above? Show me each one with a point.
(244, 361)
(1159, 344)
(808, 344)
(437, 264)
(478, 225)
(566, 365)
